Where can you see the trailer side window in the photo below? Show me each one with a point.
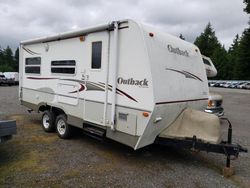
(63, 67)
(206, 62)
(33, 65)
(96, 59)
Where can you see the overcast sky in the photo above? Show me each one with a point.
(27, 19)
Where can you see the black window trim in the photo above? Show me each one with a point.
(206, 62)
(33, 65)
(63, 66)
(96, 69)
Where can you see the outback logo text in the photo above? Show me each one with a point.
(177, 51)
(131, 81)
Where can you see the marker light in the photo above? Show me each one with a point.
(82, 38)
(151, 34)
(211, 103)
(145, 114)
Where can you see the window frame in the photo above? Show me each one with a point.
(91, 60)
(33, 65)
(206, 62)
(63, 66)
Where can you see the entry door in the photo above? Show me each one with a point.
(96, 77)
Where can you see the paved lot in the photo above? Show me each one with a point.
(34, 158)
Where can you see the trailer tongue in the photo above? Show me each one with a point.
(200, 141)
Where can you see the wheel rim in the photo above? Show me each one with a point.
(46, 121)
(61, 127)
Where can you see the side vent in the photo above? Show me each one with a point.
(126, 123)
(123, 116)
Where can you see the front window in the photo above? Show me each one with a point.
(33, 65)
(205, 61)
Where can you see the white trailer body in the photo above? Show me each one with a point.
(132, 81)
(211, 71)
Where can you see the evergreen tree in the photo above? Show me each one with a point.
(243, 58)
(207, 41)
(210, 46)
(233, 58)
(16, 60)
(221, 62)
(8, 55)
(243, 63)
(247, 9)
(6, 60)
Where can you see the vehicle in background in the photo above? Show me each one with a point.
(229, 84)
(211, 84)
(233, 85)
(3, 79)
(209, 67)
(214, 105)
(13, 77)
(246, 86)
(217, 84)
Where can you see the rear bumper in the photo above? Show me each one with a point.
(216, 111)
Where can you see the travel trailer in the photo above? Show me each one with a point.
(209, 66)
(122, 80)
(215, 100)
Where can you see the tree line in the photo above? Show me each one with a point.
(231, 64)
(8, 60)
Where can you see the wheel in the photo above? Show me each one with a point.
(62, 128)
(48, 121)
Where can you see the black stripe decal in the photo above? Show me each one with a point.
(180, 101)
(186, 74)
(30, 51)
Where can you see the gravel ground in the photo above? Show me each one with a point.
(34, 158)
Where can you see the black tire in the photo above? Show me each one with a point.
(48, 121)
(63, 129)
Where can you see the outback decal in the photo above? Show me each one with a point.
(186, 74)
(178, 51)
(88, 86)
(131, 81)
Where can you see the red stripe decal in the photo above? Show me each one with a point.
(79, 90)
(126, 95)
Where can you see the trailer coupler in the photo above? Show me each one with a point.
(225, 147)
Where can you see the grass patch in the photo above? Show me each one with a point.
(22, 163)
